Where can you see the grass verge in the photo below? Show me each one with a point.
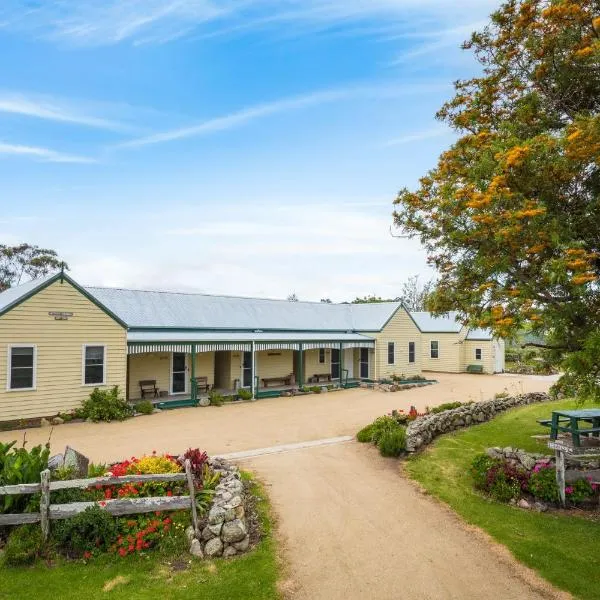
(562, 548)
(155, 575)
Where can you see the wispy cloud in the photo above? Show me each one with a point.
(259, 111)
(417, 136)
(93, 22)
(43, 154)
(42, 107)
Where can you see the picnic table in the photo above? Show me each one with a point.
(569, 421)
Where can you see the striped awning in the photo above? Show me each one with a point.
(136, 348)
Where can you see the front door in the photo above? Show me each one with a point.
(335, 363)
(178, 373)
(247, 369)
(364, 363)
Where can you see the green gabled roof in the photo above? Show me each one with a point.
(14, 296)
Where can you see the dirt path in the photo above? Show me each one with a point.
(269, 422)
(352, 527)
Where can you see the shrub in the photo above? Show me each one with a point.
(145, 407)
(149, 465)
(542, 484)
(198, 460)
(90, 531)
(316, 389)
(244, 394)
(380, 426)
(365, 434)
(215, 398)
(447, 406)
(392, 442)
(502, 480)
(400, 416)
(580, 491)
(501, 395)
(19, 465)
(96, 470)
(106, 405)
(24, 545)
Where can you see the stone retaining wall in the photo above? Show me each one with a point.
(224, 531)
(424, 429)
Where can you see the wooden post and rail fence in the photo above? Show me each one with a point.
(117, 507)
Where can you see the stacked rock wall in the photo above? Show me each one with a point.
(224, 532)
(423, 430)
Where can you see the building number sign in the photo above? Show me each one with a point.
(60, 316)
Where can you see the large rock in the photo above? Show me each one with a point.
(216, 528)
(57, 421)
(213, 548)
(208, 534)
(56, 462)
(44, 422)
(76, 461)
(196, 549)
(243, 545)
(229, 552)
(204, 402)
(216, 515)
(233, 531)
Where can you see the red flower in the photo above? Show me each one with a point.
(108, 493)
(169, 493)
(102, 503)
(122, 551)
(87, 555)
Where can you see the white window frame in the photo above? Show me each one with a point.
(391, 346)
(480, 351)
(324, 355)
(83, 348)
(431, 350)
(9, 368)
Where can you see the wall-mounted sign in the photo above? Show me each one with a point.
(60, 316)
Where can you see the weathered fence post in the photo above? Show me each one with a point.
(190, 480)
(45, 504)
(560, 475)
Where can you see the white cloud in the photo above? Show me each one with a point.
(418, 136)
(43, 154)
(91, 22)
(41, 107)
(259, 111)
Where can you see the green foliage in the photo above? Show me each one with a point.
(392, 442)
(63, 473)
(381, 425)
(19, 465)
(216, 399)
(580, 491)
(480, 466)
(96, 470)
(315, 389)
(91, 530)
(106, 405)
(447, 406)
(244, 394)
(365, 434)
(25, 260)
(509, 215)
(24, 545)
(542, 484)
(145, 407)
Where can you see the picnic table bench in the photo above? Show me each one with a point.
(148, 387)
(567, 421)
(318, 377)
(281, 380)
(475, 369)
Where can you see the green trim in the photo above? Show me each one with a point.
(63, 277)
(218, 341)
(193, 374)
(238, 329)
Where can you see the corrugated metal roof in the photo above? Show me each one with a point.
(141, 309)
(427, 323)
(244, 336)
(14, 294)
(479, 334)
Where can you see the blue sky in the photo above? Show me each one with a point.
(250, 147)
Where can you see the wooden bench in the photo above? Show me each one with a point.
(318, 377)
(202, 384)
(281, 380)
(475, 369)
(148, 386)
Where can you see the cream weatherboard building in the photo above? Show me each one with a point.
(60, 340)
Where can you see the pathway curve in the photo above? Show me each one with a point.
(352, 527)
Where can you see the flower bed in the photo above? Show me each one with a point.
(95, 531)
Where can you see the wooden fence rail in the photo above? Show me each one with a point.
(116, 507)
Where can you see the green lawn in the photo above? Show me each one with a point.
(251, 576)
(563, 549)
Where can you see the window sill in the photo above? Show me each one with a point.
(93, 384)
(31, 389)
